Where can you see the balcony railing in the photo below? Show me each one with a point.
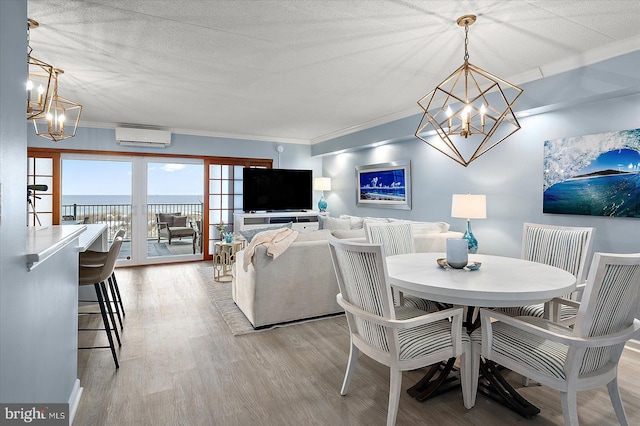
(117, 216)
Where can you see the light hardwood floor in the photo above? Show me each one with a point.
(180, 365)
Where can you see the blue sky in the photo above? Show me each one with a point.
(89, 177)
(621, 159)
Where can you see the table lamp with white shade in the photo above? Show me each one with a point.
(468, 206)
(322, 184)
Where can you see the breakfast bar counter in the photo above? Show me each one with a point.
(45, 241)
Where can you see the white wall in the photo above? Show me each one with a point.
(510, 175)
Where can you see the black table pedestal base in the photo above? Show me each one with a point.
(430, 386)
(439, 379)
(496, 387)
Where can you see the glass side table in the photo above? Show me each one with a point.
(224, 256)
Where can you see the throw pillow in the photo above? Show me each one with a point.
(357, 222)
(333, 223)
(248, 234)
(179, 221)
(165, 218)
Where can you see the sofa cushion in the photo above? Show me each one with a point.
(357, 222)
(374, 220)
(348, 233)
(248, 234)
(179, 221)
(333, 223)
(318, 235)
(167, 218)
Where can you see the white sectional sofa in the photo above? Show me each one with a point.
(301, 283)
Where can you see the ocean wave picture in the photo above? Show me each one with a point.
(384, 185)
(596, 175)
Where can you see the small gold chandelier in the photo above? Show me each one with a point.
(61, 118)
(39, 82)
(472, 107)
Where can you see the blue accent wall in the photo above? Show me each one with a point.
(511, 175)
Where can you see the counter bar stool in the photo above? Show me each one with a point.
(97, 275)
(92, 258)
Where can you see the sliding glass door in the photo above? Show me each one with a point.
(174, 206)
(143, 195)
(98, 189)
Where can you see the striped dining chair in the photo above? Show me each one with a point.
(570, 359)
(565, 247)
(400, 337)
(397, 238)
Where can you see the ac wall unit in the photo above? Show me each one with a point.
(130, 136)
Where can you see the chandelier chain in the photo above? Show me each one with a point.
(466, 43)
(29, 48)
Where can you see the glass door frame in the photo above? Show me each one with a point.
(140, 208)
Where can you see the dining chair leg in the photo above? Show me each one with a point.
(466, 379)
(351, 366)
(395, 384)
(616, 401)
(474, 375)
(569, 408)
(110, 312)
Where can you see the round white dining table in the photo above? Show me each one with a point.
(499, 282)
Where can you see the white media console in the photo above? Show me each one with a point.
(302, 221)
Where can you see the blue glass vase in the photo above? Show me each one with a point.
(322, 204)
(468, 235)
(228, 237)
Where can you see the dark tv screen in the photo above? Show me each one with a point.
(276, 189)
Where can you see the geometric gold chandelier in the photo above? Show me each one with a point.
(470, 112)
(54, 117)
(61, 118)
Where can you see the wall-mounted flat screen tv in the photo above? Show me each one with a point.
(276, 189)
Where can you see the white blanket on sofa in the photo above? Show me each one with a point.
(276, 241)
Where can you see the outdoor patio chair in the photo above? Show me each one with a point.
(173, 225)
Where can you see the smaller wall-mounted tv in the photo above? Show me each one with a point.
(276, 190)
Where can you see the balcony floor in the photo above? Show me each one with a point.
(162, 248)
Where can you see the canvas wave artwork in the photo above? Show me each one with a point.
(596, 175)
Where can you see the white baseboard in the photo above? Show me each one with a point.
(74, 400)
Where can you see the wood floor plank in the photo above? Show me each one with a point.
(180, 365)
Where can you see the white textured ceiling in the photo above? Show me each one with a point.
(303, 70)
